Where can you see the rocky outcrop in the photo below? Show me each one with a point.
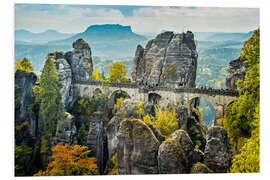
(25, 119)
(96, 140)
(176, 155)
(72, 66)
(236, 71)
(64, 71)
(80, 60)
(127, 109)
(217, 153)
(168, 60)
(137, 148)
(66, 130)
(200, 168)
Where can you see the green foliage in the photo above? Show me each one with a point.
(23, 160)
(241, 114)
(85, 106)
(117, 72)
(248, 160)
(242, 117)
(50, 97)
(23, 65)
(51, 108)
(165, 121)
(82, 134)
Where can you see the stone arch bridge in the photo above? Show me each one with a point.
(160, 95)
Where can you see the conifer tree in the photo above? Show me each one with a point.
(51, 108)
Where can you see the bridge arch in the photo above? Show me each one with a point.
(198, 101)
(154, 98)
(97, 92)
(86, 91)
(118, 94)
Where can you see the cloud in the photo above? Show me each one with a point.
(72, 18)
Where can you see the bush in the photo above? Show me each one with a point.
(165, 121)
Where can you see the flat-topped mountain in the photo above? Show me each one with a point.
(114, 39)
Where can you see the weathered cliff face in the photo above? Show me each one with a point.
(96, 140)
(137, 148)
(80, 60)
(168, 60)
(72, 66)
(217, 153)
(24, 104)
(236, 71)
(66, 130)
(65, 78)
(176, 155)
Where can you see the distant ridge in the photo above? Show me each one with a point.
(22, 35)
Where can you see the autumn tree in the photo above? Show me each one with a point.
(117, 72)
(51, 108)
(23, 65)
(70, 160)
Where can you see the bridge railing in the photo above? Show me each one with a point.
(209, 91)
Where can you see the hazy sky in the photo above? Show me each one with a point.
(76, 18)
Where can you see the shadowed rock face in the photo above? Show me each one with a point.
(217, 153)
(96, 140)
(72, 66)
(236, 71)
(137, 148)
(168, 60)
(24, 101)
(66, 130)
(176, 154)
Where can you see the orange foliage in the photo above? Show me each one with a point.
(70, 160)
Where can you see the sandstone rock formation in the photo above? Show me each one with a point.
(200, 168)
(24, 104)
(217, 153)
(66, 130)
(80, 60)
(137, 148)
(236, 71)
(168, 60)
(96, 140)
(65, 78)
(127, 109)
(176, 155)
(72, 66)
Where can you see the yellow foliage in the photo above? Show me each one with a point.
(20, 127)
(114, 171)
(24, 65)
(70, 160)
(140, 110)
(119, 101)
(117, 72)
(165, 121)
(96, 75)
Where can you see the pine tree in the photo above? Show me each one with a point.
(51, 108)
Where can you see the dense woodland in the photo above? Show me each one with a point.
(242, 118)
